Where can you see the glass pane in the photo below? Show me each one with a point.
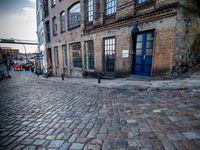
(139, 52)
(149, 52)
(149, 44)
(139, 38)
(149, 36)
(139, 45)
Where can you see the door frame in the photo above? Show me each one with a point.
(134, 39)
(103, 59)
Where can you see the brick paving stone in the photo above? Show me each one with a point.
(77, 146)
(38, 136)
(27, 141)
(96, 142)
(192, 135)
(107, 145)
(73, 138)
(39, 142)
(120, 144)
(56, 143)
(92, 147)
(60, 136)
(20, 133)
(30, 148)
(50, 137)
(65, 146)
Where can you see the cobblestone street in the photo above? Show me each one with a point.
(38, 113)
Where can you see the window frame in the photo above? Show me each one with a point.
(107, 2)
(48, 31)
(69, 17)
(141, 1)
(56, 56)
(54, 26)
(64, 53)
(62, 22)
(79, 62)
(53, 3)
(110, 44)
(87, 47)
(46, 8)
(90, 10)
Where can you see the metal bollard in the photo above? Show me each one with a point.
(99, 78)
(62, 75)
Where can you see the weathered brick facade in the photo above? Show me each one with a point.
(175, 40)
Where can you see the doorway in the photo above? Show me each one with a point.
(143, 53)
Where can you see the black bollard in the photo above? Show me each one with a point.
(99, 78)
(62, 75)
(37, 73)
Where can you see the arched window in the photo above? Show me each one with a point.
(54, 26)
(53, 3)
(74, 16)
(62, 21)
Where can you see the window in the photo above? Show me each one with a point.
(90, 10)
(53, 3)
(48, 36)
(110, 7)
(74, 16)
(89, 55)
(141, 1)
(64, 52)
(109, 47)
(77, 55)
(62, 21)
(46, 8)
(56, 56)
(54, 20)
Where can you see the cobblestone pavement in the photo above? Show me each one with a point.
(44, 114)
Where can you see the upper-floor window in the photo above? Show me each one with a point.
(48, 37)
(62, 21)
(74, 16)
(46, 8)
(53, 2)
(54, 23)
(110, 6)
(90, 10)
(141, 1)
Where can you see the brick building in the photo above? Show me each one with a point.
(8, 51)
(122, 37)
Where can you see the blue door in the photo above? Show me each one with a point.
(143, 53)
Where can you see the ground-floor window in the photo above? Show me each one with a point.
(109, 48)
(89, 55)
(56, 56)
(77, 55)
(64, 52)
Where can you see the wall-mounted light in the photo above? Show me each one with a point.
(135, 28)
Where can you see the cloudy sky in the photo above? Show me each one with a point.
(18, 20)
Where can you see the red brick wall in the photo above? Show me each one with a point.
(164, 44)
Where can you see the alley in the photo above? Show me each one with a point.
(38, 113)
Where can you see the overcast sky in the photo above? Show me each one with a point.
(18, 20)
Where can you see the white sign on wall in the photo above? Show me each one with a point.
(125, 53)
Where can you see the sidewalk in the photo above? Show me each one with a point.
(190, 80)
